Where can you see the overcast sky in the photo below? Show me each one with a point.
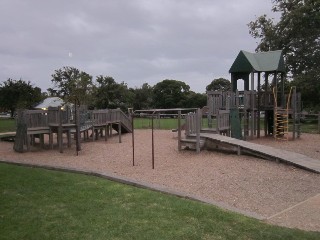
(134, 41)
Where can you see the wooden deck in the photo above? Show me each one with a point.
(262, 151)
(7, 135)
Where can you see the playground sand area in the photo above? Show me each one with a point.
(244, 182)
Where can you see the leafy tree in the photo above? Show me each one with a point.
(143, 97)
(110, 94)
(297, 34)
(16, 94)
(70, 82)
(195, 100)
(170, 94)
(219, 84)
(309, 86)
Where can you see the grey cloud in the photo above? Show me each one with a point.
(134, 41)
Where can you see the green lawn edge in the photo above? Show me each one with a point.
(44, 204)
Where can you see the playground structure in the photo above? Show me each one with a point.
(73, 122)
(238, 113)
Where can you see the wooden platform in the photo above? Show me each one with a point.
(262, 151)
(7, 135)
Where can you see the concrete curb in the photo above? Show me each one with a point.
(139, 184)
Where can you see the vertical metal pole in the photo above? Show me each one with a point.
(259, 92)
(266, 83)
(179, 130)
(132, 127)
(152, 144)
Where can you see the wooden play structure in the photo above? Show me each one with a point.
(238, 113)
(72, 123)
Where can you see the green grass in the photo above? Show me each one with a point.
(309, 126)
(7, 125)
(43, 204)
(163, 123)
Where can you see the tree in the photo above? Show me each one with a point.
(309, 86)
(297, 34)
(110, 94)
(70, 82)
(143, 97)
(195, 100)
(16, 94)
(219, 84)
(170, 94)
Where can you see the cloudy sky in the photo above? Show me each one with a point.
(135, 41)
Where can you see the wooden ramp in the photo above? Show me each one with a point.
(215, 141)
(7, 136)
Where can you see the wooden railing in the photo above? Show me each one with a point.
(42, 118)
(109, 116)
(119, 116)
(223, 122)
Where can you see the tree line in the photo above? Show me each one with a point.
(70, 83)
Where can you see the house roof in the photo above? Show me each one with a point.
(247, 62)
(50, 102)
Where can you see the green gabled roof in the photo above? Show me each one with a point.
(247, 62)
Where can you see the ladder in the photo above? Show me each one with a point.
(281, 119)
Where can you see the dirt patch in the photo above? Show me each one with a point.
(244, 182)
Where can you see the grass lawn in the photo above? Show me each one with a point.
(309, 126)
(163, 123)
(7, 125)
(43, 204)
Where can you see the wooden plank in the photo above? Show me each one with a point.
(267, 152)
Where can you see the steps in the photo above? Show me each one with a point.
(191, 143)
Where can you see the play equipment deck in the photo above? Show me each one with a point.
(266, 152)
(7, 135)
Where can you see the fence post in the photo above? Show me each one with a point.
(179, 130)
(319, 122)
(198, 127)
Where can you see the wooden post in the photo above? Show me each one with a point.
(283, 100)
(119, 131)
(294, 113)
(78, 136)
(252, 106)
(179, 130)
(60, 141)
(198, 127)
(318, 122)
(21, 132)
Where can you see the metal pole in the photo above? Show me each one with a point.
(179, 130)
(259, 92)
(132, 127)
(152, 144)
(252, 130)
